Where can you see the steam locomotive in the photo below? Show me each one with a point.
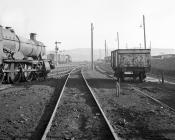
(21, 59)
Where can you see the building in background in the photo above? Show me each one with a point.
(60, 58)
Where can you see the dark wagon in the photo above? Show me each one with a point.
(131, 63)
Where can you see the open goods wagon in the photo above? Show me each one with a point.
(131, 63)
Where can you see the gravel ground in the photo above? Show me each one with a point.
(22, 107)
(107, 67)
(132, 116)
(78, 117)
(163, 92)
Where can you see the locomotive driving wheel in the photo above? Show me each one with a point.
(2, 74)
(14, 76)
(28, 74)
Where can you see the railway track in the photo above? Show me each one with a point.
(49, 109)
(165, 105)
(3, 87)
(28, 106)
(77, 114)
(167, 79)
(60, 73)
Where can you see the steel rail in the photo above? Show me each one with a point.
(154, 99)
(55, 109)
(143, 93)
(62, 73)
(68, 69)
(99, 106)
(7, 86)
(4, 87)
(56, 106)
(167, 79)
(104, 72)
(58, 73)
(159, 76)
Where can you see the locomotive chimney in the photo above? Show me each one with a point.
(32, 36)
(8, 28)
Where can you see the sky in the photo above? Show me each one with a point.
(68, 21)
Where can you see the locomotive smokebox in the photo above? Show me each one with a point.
(33, 36)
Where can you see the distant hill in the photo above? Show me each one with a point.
(84, 54)
(156, 51)
(166, 65)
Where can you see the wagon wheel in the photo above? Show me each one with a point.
(28, 74)
(2, 76)
(40, 72)
(14, 76)
(40, 76)
(44, 75)
(141, 77)
(35, 75)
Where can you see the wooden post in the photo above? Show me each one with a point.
(105, 49)
(117, 86)
(140, 45)
(162, 77)
(126, 45)
(144, 31)
(92, 56)
(56, 52)
(118, 39)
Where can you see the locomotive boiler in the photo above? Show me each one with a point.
(20, 58)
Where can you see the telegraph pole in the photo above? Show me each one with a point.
(99, 53)
(126, 45)
(56, 51)
(144, 31)
(92, 59)
(118, 39)
(140, 45)
(105, 48)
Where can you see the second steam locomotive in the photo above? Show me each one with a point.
(20, 58)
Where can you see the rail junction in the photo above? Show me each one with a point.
(77, 103)
(88, 122)
(134, 87)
